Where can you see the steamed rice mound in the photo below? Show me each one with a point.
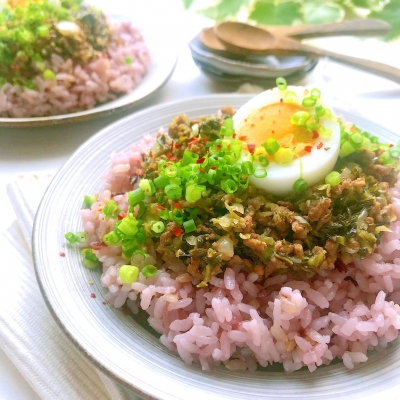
(82, 86)
(343, 313)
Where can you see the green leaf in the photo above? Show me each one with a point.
(269, 13)
(187, 4)
(391, 14)
(322, 13)
(223, 9)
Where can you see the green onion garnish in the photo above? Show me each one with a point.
(78, 237)
(90, 260)
(48, 75)
(173, 191)
(135, 197)
(281, 83)
(228, 185)
(43, 30)
(315, 93)
(161, 182)
(128, 227)
(189, 226)
(128, 274)
(111, 210)
(149, 270)
(283, 156)
(128, 60)
(300, 185)
(290, 97)
(333, 178)
(319, 110)
(194, 192)
(111, 238)
(260, 172)
(300, 118)
(158, 227)
(88, 201)
(271, 145)
(308, 102)
(263, 160)
(147, 187)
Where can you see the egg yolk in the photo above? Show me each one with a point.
(273, 121)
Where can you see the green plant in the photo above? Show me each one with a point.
(296, 12)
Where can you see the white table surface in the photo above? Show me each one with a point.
(42, 149)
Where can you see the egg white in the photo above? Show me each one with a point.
(315, 165)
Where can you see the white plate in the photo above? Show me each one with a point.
(164, 57)
(122, 346)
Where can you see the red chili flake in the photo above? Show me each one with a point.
(273, 131)
(320, 144)
(243, 138)
(104, 302)
(169, 155)
(178, 232)
(177, 145)
(192, 140)
(205, 140)
(173, 158)
(200, 160)
(121, 215)
(308, 149)
(315, 134)
(150, 154)
(62, 254)
(14, 67)
(281, 100)
(391, 145)
(178, 205)
(214, 167)
(251, 147)
(92, 295)
(219, 147)
(202, 170)
(139, 172)
(161, 207)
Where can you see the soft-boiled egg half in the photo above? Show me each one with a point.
(295, 130)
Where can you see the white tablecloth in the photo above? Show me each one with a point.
(23, 151)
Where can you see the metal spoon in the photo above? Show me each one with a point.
(250, 40)
(358, 27)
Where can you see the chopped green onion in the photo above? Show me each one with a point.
(290, 97)
(147, 187)
(211, 176)
(300, 117)
(189, 158)
(319, 110)
(315, 93)
(283, 156)
(189, 226)
(128, 226)
(333, 178)
(194, 192)
(228, 124)
(43, 30)
(346, 149)
(308, 102)
(303, 134)
(164, 214)
(128, 274)
(394, 152)
(263, 160)
(300, 185)
(236, 145)
(135, 197)
(171, 171)
(248, 168)
(48, 75)
(281, 83)
(139, 257)
(260, 172)
(89, 200)
(90, 260)
(79, 237)
(271, 145)
(312, 122)
(324, 132)
(228, 185)
(111, 238)
(356, 140)
(149, 270)
(173, 191)
(111, 210)
(385, 158)
(158, 227)
(128, 60)
(161, 182)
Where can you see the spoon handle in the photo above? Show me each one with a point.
(356, 27)
(384, 70)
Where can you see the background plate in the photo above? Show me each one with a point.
(164, 56)
(119, 344)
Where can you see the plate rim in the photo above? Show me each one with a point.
(222, 98)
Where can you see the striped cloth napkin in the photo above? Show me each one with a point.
(30, 337)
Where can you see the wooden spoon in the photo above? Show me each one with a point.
(249, 40)
(359, 27)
